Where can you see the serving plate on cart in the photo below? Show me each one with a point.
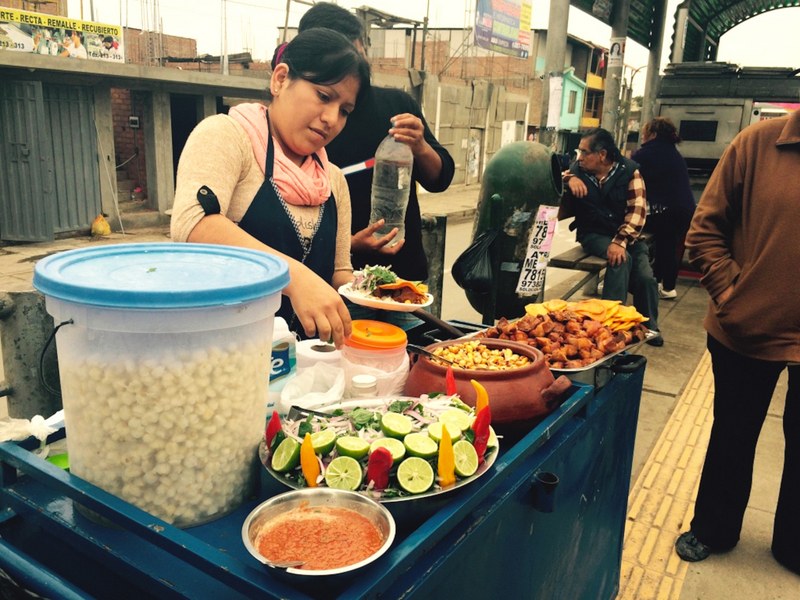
(608, 358)
(370, 301)
(490, 458)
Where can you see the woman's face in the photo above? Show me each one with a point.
(305, 116)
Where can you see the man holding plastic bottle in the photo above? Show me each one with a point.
(383, 111)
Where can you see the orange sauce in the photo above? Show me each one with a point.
(324, 537)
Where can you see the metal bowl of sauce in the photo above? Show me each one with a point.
(318, 532)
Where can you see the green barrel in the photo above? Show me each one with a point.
(518, 179)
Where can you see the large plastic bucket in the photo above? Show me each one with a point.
(163, 354)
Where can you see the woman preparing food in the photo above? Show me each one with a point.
(259, 178)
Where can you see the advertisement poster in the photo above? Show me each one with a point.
(504, 26)
(53, 35)
(616, 52)
(543, 230)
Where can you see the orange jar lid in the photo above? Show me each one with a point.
(376, 335)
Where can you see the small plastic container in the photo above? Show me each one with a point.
(378, 349)
(363, 386)
(163, 355)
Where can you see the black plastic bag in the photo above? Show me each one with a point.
(472, 270)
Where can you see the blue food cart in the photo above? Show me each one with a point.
(546, 521)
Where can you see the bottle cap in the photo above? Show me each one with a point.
(376, 335)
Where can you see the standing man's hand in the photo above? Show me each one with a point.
(409, 130)
(365, 241)
(616, 254)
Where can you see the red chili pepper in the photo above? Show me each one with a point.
(380, 461)
(273, 427)
(480, 426)
(450, 382)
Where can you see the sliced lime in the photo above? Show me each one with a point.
(286, 456)
(435, 431)
(396, 425)
(415, 475)
(457, 417)
(395, 447)
(421, 444)
(492, 443)
(344, 473)
(352, 446)
(323, 441)
(466, 458)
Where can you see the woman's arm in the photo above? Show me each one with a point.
(318, 306)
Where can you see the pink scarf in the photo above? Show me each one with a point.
(306, 185)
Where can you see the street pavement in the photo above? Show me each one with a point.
(674, 419)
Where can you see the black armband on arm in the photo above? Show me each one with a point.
(208, 200)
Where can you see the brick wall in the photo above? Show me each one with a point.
(126, 140)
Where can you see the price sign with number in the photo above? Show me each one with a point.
(531, 277)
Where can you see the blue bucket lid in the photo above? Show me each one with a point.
(166, 275)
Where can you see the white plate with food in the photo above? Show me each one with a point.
(370, 301)
(380, 288)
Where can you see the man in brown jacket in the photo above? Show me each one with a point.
(745, 240)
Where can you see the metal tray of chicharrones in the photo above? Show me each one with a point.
(609, 358)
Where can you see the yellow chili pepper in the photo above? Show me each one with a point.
(482, 396)
(309, 462)
(447, 460)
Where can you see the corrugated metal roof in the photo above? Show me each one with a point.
(709, 20)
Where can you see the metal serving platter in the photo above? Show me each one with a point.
(608, 357)
(378, 403)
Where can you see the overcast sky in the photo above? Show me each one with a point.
(767, 40)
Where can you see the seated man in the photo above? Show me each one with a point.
(608, 199)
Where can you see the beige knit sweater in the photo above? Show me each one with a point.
(218, 154)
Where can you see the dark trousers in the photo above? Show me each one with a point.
(668, 228)
(634, 275)
(743, 389)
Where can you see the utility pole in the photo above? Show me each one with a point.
(223, 59)
(424, 35)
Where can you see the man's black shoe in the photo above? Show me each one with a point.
(690, 549)
(793, 564)
(657, 341)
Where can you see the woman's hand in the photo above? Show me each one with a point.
(319, 308)
(365, 241)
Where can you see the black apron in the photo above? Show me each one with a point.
(268, 220)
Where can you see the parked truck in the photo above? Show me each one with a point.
(711, 102)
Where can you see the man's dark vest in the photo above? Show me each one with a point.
(603, 209)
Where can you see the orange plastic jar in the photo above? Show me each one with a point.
(379, 349)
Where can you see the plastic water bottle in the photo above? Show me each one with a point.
(391, 184)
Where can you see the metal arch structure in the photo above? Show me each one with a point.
(701, 23)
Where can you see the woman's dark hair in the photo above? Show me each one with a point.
(600, 139)
(324, 57)
(332, 16)
(662, 129)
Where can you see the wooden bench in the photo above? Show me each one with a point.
(577, 259)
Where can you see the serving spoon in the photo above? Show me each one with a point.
(414, 349)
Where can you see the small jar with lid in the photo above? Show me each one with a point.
(363, 386)
(378, 349)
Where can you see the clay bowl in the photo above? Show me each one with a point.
(515, 395)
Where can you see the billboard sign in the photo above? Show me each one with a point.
(54, 35)
(504, 26)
